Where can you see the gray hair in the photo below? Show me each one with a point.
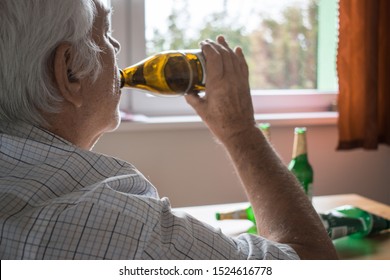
(30, 31)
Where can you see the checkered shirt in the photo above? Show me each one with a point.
(58, 201)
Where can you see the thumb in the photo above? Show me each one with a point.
(195, 101)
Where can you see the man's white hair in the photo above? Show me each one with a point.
(30, 31)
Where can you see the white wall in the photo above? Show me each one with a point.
(190, 168)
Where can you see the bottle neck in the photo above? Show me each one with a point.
(265, 129)
(379, 224)
(300, 147)
(122, 77)
(241, 214)
(238, 214)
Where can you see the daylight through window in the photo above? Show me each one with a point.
(290, 46)
(279, 37)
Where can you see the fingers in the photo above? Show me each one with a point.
(196, 102)
(228, 55)
(226, 105)
(193, 99)
(233, 62)
(214, 63)
(237, 56)
(237, 51)
(221, 40)
(223, 64)
(242, 61)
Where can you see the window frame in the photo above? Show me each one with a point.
(131, 15)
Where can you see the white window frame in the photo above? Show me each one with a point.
(130, 15)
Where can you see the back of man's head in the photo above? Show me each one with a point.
(30, 32)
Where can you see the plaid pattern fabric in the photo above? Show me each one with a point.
(61, 202)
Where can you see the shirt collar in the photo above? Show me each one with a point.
(31, 132)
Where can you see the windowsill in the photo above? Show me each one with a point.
(144, 123)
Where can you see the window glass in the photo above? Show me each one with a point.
(290, 46)
(280, 37)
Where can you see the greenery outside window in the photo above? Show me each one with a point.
(290, 47)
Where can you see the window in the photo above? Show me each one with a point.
(290, 46)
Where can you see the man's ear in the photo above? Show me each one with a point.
(68, 86)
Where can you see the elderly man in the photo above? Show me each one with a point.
(59, 92)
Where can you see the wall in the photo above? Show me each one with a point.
(189, 167)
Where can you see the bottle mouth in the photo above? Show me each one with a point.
(300, 130)
(122, 78)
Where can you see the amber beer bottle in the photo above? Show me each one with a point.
(299, 163)
(169, 73)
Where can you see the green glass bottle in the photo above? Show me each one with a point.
(299, 163)
(352, 221)
(240, 214)
(265, 129)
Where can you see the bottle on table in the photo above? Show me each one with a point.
(299, 164)
(239, 214)
(342, 221)
(265, 129)
(169, 73)
(352, 221)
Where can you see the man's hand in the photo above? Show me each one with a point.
(283, 212)
(226, 107)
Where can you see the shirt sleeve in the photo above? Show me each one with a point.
(181, 236)
(101, 222)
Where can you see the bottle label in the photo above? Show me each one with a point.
(302, 169)
(338, 232)
(338, 225)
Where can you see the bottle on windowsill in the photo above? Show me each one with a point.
(169, 73)
(265, 129)
(299, 164)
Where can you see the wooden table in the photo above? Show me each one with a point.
(374, 248)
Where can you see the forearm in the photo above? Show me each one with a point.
(283, 213)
